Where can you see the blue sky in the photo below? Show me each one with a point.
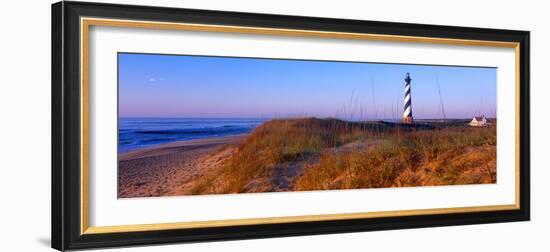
(198, 86)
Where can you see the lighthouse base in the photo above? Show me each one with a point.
(407, 120)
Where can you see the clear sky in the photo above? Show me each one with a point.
(198, 86)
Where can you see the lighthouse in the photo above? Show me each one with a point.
(407, 107)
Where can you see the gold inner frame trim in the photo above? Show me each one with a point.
(86, 23)
(288, 219)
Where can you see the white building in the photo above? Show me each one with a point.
(478, 121)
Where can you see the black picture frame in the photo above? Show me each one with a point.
(66, 123)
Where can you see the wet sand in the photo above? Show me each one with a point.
(170, 169)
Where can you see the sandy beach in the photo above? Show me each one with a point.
(170, 169)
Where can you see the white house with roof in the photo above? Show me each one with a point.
(478, 121)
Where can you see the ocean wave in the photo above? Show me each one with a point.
(154, 140)
(192, 131)
(139, 133)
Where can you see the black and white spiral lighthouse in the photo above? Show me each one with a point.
(407, 107)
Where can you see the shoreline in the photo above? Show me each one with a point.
(180, 145)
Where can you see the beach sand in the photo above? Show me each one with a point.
(170, 169)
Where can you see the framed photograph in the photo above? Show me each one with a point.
(181, 125)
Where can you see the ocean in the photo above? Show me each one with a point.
(136, 133)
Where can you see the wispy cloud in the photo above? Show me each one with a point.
(153, 79)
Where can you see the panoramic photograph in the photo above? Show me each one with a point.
(202, 125)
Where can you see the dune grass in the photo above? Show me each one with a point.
(359, 155)
(447, 156)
